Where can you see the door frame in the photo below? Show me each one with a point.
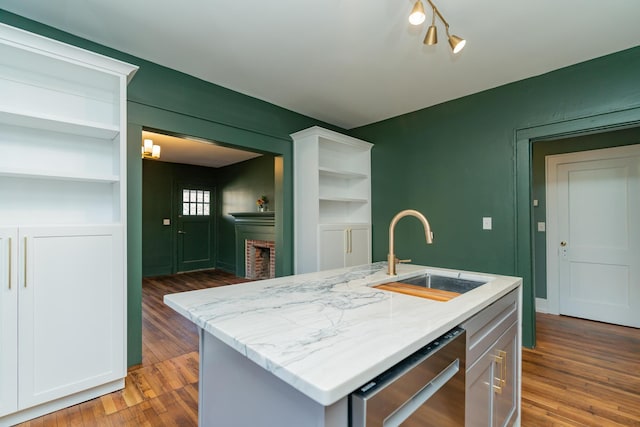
(141, 116)
(552, 238)
(524, 226)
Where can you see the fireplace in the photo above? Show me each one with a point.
(260, 259)
(255, 245)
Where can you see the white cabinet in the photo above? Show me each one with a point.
(62, 224)
(493, 365)
(332, 188)
(67, 313)
(343, 245)
(8, 320)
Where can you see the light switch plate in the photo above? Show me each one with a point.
(542, 227)
(166, 221)
(486, 223)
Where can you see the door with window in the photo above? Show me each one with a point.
(195, 228)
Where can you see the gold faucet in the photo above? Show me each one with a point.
(391, 258)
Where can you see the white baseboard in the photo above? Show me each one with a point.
(541, 305)
(61, 403)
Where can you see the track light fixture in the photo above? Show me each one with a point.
(417, 17)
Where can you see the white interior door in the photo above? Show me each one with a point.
(593, 240)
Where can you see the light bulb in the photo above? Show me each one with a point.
(148, 146)
(417, 16)
(456, 43)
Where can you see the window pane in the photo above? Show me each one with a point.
(192, 209)
(185, 209)
(200, 196)
(206, 197)
(200, 209)
(193, 195)
(206, 208)
(185, 195)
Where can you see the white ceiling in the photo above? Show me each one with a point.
(348, 62)
(192, 151)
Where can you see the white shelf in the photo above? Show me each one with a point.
(59, 124)
(341, 173)
(343, 200)
(32, 174)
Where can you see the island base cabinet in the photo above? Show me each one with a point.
(492, 384)
(68, 293)
(234, 391)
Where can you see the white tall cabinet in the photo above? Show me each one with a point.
(332, 207)
(62, 224)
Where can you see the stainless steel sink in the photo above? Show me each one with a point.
(452, 284)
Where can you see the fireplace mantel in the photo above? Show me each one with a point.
(254, 218)
(251, 226)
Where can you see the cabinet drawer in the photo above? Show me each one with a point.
(486, 327)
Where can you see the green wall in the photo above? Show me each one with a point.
(561, 146)
(157, 200)
(239, 187)
(164, 99)
(468, 158)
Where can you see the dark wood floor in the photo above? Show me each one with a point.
(581, 373)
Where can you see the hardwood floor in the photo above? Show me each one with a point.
(581, 373)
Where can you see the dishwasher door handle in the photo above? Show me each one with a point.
(423, 395)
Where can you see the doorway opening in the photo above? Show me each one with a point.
(527, 261)
(187, 195)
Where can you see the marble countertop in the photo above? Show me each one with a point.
(327, 333)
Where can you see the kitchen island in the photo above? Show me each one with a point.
(290, 350)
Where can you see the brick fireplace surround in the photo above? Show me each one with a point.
(260, 259)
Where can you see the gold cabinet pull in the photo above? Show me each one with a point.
(346, 241)
(347, 237)
(500, 359)
(350, 241)
(9, 263)
(25, 262)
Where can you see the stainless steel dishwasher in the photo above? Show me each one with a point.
(425, 389)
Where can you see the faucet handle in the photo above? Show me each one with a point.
(399, 261)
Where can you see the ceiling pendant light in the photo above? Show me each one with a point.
(456, 43)
(150, 150)
(417, 16)
(432, 33)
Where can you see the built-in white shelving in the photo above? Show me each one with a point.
(332, 187)
(62, 224)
